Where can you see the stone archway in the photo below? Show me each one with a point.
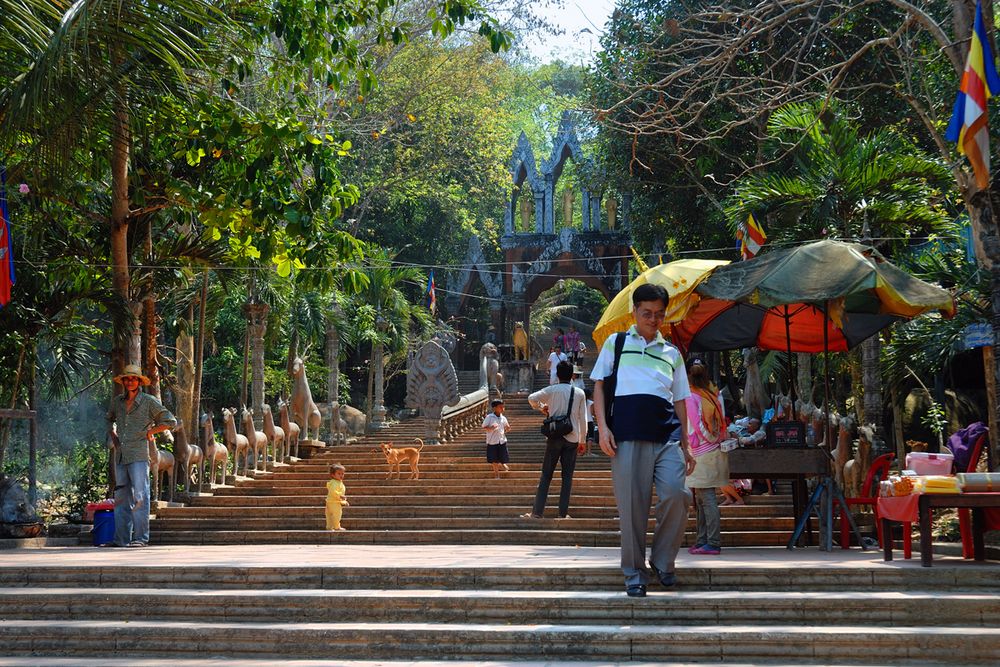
(533, 261)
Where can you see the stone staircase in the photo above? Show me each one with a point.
(455, 501)
(763, 607)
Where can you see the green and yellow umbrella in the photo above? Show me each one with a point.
(679, 278)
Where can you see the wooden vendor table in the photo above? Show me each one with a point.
(794, 463)
(917, 509)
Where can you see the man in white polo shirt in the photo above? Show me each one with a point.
(646, 439)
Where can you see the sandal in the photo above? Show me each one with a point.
(528, 515)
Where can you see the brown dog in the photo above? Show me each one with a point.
(396, 455)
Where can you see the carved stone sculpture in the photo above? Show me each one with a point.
(304, 411)
(567, 202)
(611, 206)
(193, 458)
(526, 213)
(161, 465)
(354, 418)
(17, 517)
(489, 370)
(856, 469)
(216, 454)
(520, 342)
(275, 435)
(845, 438)
(338, 426)
(290, 428)
(257, 440)
(754, 395)
(431, 385)
(236, 443)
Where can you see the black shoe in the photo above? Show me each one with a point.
(667, 579)
(636, 591)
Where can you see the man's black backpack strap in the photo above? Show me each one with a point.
(611, 382)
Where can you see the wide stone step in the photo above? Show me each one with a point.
(468, 641)
(764, 570)
(555, 536)
(494, 606)
(470, 500)
(318, 522)
(404, 511)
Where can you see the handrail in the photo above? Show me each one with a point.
(468, 413)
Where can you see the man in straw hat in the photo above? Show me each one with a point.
(135, 418)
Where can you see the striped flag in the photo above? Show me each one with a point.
(968, 121)
(750, 238)
(431, 297)
(6, 244)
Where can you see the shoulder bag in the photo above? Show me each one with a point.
(557, 427)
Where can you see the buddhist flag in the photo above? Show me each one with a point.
(431, 297)
(750, 238)
(968, 121)
(6, 244)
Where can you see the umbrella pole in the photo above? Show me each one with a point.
(791, 374)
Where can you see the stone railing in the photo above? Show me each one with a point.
(468, 413)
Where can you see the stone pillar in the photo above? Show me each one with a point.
(378, 410)
(539, 212)
(257, 321)
(549, 222)
(333, 381)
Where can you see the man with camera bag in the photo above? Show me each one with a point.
(640, 384)
(565, 428)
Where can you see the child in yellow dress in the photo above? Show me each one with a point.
(336, 497)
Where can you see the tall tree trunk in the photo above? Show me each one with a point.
(199, 365)
(185, 370)
(6, 424)
(121, 143)
(150, 332)
(871, 382)
(333, 379)
(804, 378)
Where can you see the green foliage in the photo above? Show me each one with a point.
(834, 182)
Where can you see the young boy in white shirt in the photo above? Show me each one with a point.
(496, 427)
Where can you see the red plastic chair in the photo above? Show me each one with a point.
(964, 520)
(878, 471)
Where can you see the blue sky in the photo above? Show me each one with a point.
(583, 21)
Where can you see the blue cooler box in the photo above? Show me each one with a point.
(104, 527)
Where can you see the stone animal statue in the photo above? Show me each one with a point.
(842, 452)
(235, 442)
(755, 397)
(856, 469)
(520, 342)
(355, 419)
(338, 426)
(161, 465)
(195, 456)
(17, 517)
(257, 440)
(275, 435)
(290, 428)
(216, 454)
(489, 370)
(304, 411)
(784, 403)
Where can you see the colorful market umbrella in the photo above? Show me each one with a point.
(679, 278)
(823, 296)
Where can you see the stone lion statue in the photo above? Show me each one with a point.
(520, 342)
(489, 369)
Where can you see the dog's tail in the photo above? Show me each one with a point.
(421, 444)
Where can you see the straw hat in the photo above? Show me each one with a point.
(132, 370)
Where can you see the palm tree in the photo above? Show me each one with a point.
(384, 315)
(837, 182)
(89, 72)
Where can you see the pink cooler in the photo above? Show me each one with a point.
(924, 463)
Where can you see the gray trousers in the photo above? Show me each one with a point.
(709, 518)
(635, 468)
